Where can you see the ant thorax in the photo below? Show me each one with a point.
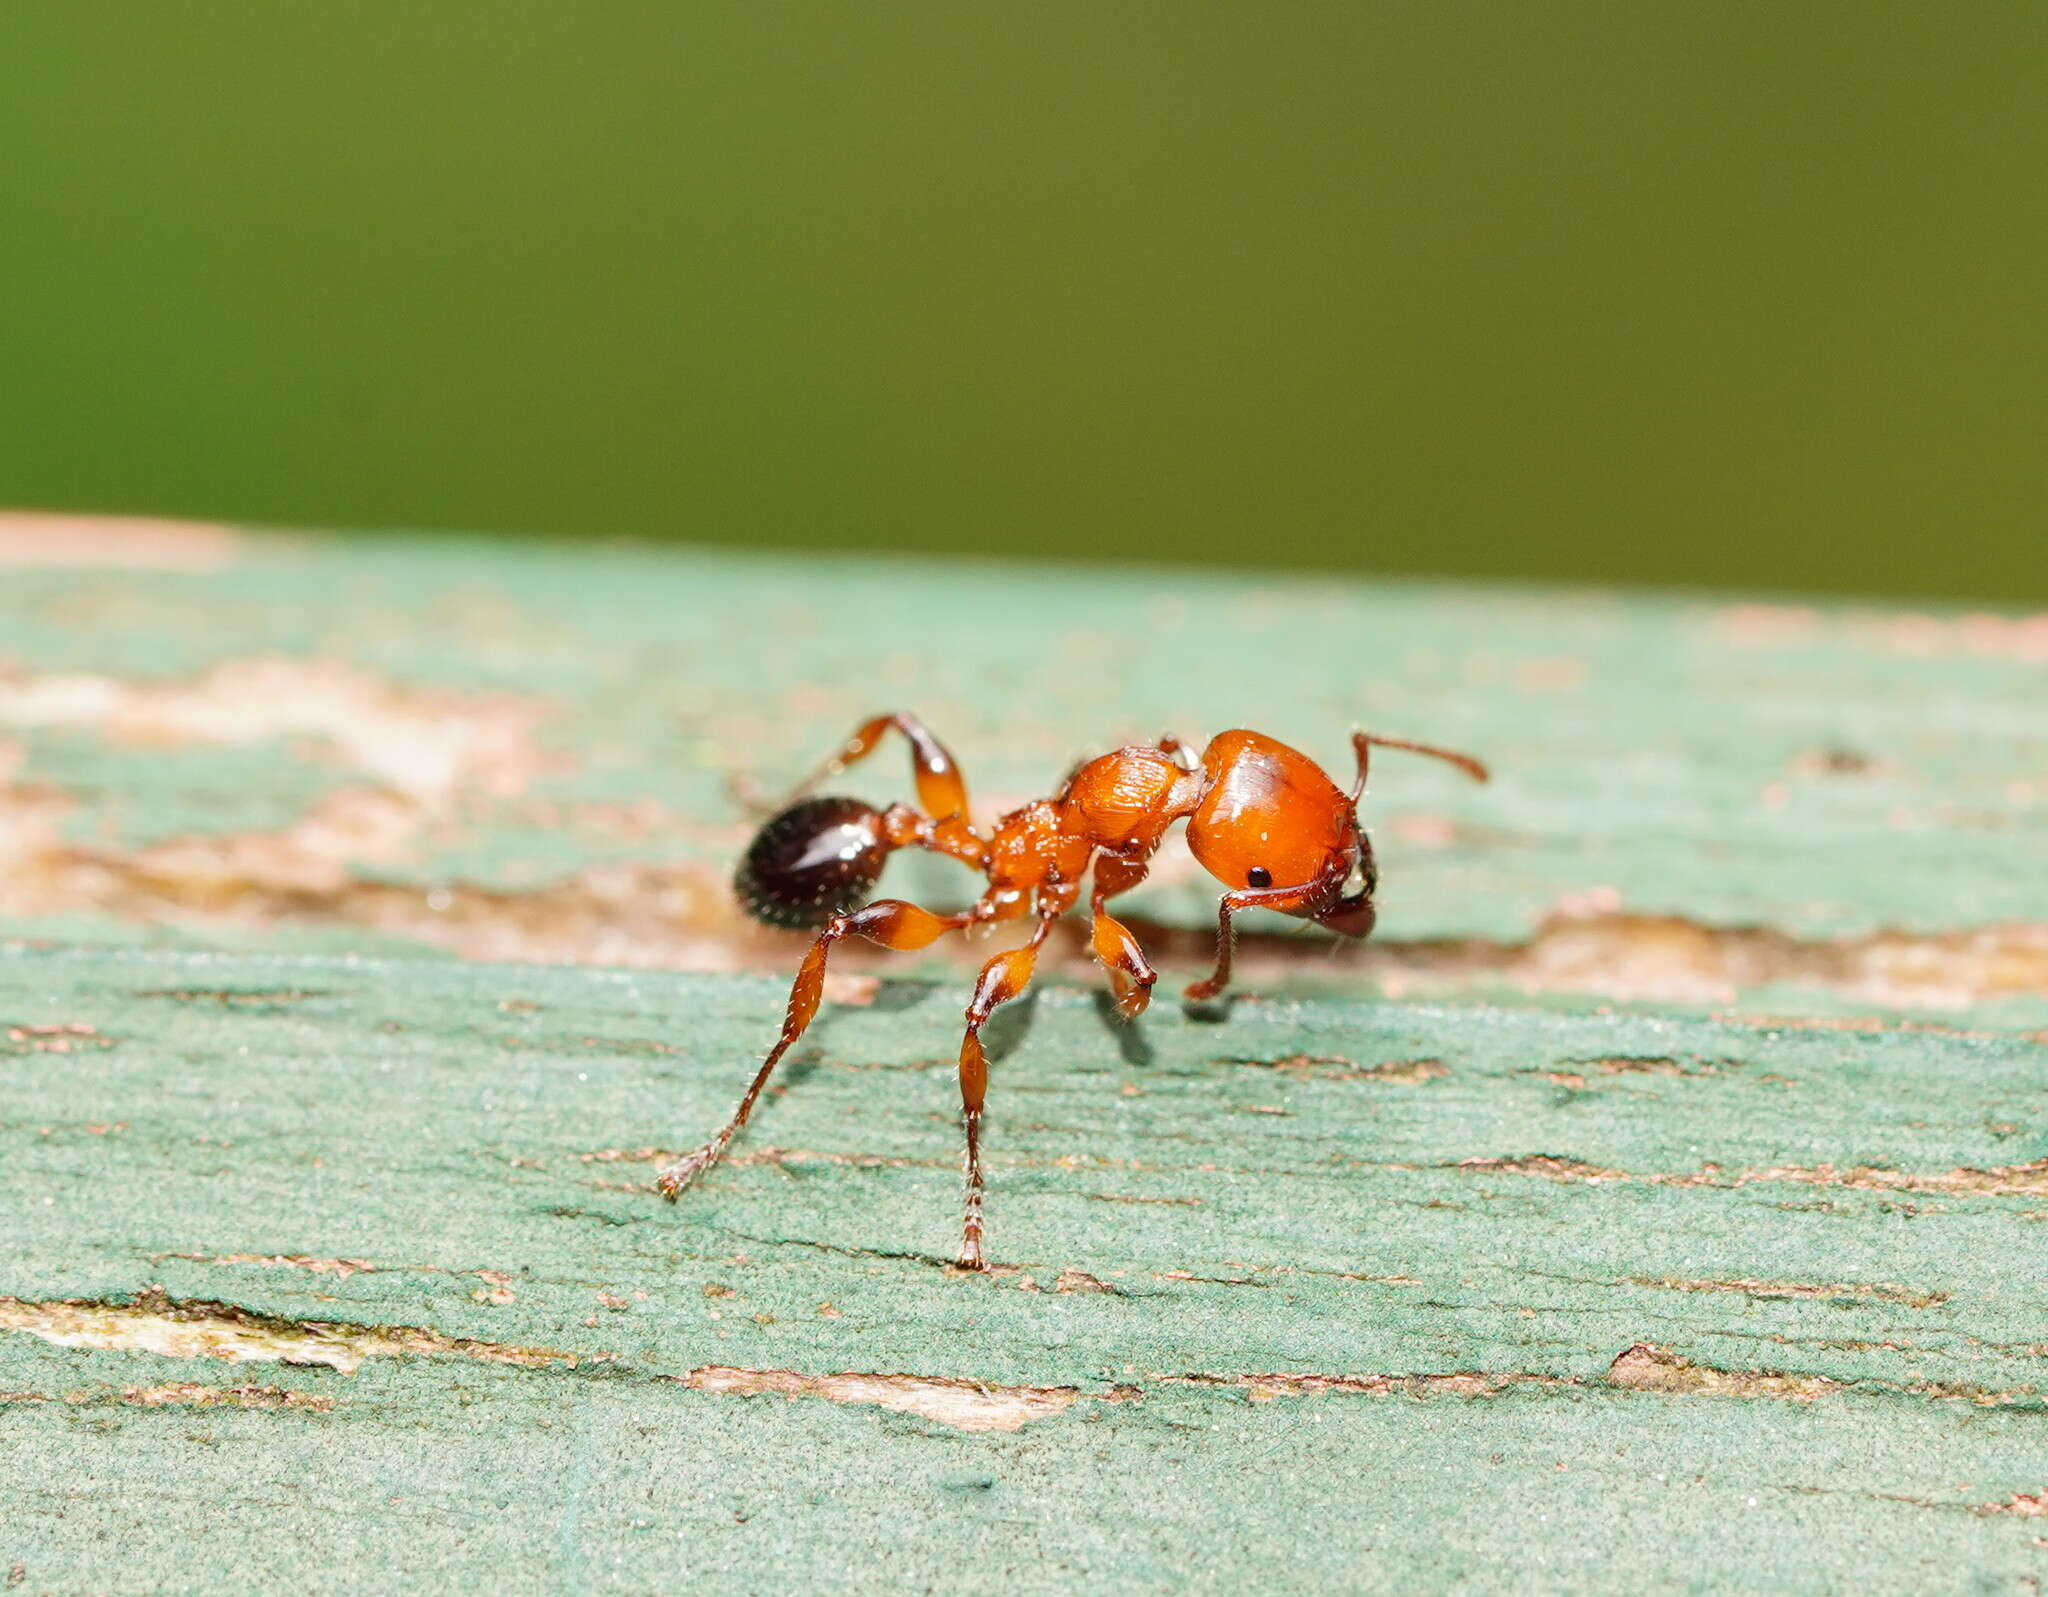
(1032, 847)
(1124, 801)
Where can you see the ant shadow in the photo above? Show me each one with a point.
(892, 997)
(1128, 1035)
(1209, 1011)
(1009, 1027)
(1005, 1031)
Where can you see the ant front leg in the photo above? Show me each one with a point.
(892, 922)
(1130, 974)
(1280, 898)
(1002, 979)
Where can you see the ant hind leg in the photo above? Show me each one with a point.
(941, 789)
(892, 922)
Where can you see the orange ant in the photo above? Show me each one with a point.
(1262, 819)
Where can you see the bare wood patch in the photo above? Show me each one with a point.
(1548, 1166)
(426, 742)
(1984, 634)
(964, 1405)
(768, 1154)
(156, 1323)
(281, 1261)
(1455, 1383)
(58, 539)
(1647, 1065)
(1335, 1067)
(63, 1037)
(2013, 1180)
(1881, 1292)
(187, 1394)
(233, 997)
(1646, 1368)
(496, 1288)
(307, 874)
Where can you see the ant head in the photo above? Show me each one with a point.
(1353, 914)
(1271, 821)
(812, 861)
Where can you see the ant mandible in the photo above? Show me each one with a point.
(1263, 819)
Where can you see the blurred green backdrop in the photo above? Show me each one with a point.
(1742, 294)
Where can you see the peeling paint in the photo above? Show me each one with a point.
(964, 1405)
(1456, 1383)
(155, 1323)
(1335, 1067)
(1547, 1166)
(2027, 1505)
(1877, 1292)
(280, 1261)
(57, 540)
(427, 743)
(62, 1037)
(186, 1394)
(2013, 1180)
(1646, 1368)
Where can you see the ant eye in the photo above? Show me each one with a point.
(1259, 876)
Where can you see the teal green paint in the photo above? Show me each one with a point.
(570, 1564)
(1174, 1495)
(295, 1090)
(395, 1112)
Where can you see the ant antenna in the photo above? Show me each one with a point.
(1363, 742)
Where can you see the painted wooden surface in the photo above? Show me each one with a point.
(1664, 1204)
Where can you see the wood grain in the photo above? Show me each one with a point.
(1663, 1208)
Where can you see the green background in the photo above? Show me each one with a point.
(1733, 294)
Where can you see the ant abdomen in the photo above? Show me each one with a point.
(814, 860)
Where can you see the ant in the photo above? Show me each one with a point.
(1263, 819)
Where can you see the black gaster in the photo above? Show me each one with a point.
(814, 860)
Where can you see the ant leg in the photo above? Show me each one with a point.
(1362, 744)
(1130, 974)
(1001, 979)
(1177, 751)
(1280, 898)
(941, 789)
(892, 922)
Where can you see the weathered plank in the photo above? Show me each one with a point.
(1661, 1206)
(1347, 1302)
